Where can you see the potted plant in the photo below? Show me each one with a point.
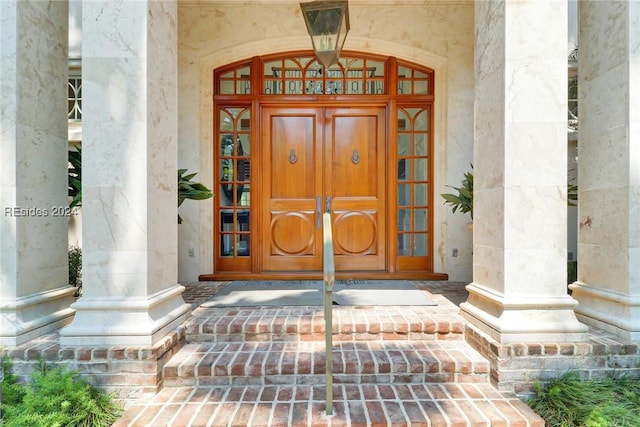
(187, 189)
(463, 199)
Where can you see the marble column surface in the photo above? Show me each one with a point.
(519, 293)
(608, 285)
(130, 290)
(35, 297)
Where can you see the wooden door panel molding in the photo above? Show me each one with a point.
(318, 154)
(292, 146)
(292, 152)
(355, 137)
(356, 147)
(356, 233)
(293, 233)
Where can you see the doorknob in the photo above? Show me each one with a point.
(327, 204)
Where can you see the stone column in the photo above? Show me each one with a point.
(519, 289)
(608, 286)
(130, 290)
(35, 297)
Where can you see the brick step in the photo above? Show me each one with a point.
(353, 405)
(248, 363)
(271, 324)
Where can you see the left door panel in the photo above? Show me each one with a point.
(291, 189)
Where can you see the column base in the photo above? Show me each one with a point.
(522, 320)
(26, 318)
(608, 310)
(130, 321)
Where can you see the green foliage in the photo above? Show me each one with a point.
(463, 200)
(75, 269)
(572, 194)
(12, 391)
(187, 189)
(572, 271)
(569, 401)
(57, 397)
(75, 176)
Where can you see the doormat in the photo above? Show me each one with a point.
(256, 293)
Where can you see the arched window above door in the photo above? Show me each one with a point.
(301, 74)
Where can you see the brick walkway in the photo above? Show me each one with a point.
(266, 367)
(354, 405)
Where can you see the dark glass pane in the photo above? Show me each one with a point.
(421, 87)
(420, 171)
(226, 122)
(420, 144)
(226, 144)
(242, 220)
(404, 194)
(404, 144)
(404, 219)
(420, 220)
(243, 245)
(422, 120)
(419, 245)
(244, 146)
(245, 195)
(404, 121)
(404, 244)
(420, 196)
(243, 87)
(404, 170)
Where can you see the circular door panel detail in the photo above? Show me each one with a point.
(293, 233)
(354, 233)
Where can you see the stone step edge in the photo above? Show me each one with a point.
(320, 379)
(315, 327)
(267, 359)
(336, 337)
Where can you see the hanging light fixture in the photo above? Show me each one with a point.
(328, 24)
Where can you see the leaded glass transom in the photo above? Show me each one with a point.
(304, 75)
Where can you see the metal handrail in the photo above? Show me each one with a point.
(329, 276)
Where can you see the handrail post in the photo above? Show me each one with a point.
(328, 269)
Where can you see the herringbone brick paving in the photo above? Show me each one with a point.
(265, 366)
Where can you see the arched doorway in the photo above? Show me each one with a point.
(293, 139)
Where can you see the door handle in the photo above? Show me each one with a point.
(327, 204)
(318, 213)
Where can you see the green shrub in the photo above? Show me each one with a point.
(12, 391)
(572, 271)
(56, 397)
(75, 269)
(570, 401)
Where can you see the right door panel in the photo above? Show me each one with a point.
(355, 177)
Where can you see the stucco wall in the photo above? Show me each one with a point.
(438, 35)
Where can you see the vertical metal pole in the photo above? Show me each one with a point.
(329, 275)
(328, 324)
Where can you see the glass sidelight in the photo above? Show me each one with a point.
(234, 181)
(413, 181)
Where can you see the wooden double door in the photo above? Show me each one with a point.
(317, 159)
